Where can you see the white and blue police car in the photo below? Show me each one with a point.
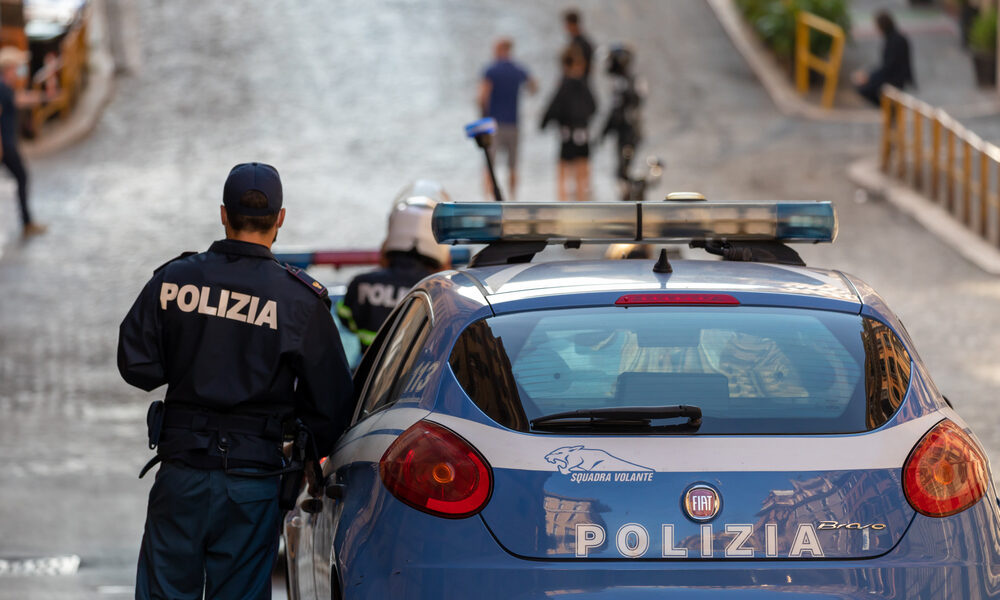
(743, 428)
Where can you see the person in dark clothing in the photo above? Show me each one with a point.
(578, 40)
(411, 253)
(571, 109)
(896, 69)
(624, 120)
(12, 61)
(247, 348)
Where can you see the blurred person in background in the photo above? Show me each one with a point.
(896, 68)
(410, 253)
(623, 119)
(499, 90)
(571, 109)
(13, 63)
(578, 40)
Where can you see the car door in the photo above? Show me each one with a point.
(387, 365)
(301, 525)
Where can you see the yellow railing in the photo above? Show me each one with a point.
(805, 23)
(957, 179)
(59, 83)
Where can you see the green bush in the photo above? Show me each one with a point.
(983, 33)
(774, 21)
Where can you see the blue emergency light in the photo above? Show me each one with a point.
(620, 222)
(482, 126)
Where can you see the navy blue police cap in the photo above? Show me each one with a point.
(252, 176)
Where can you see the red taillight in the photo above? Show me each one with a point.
(945, 473)
(432, 469)
(641, 299)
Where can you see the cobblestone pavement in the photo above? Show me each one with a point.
(351, 103)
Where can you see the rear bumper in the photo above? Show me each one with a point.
(955, 557)
(807, 581)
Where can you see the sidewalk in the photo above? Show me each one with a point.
(866, 174)
(942, 68)
(64, 132)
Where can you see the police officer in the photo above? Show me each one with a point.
(624, 118)
(246, 346)
(410, 253)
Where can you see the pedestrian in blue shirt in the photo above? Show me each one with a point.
(498, 94)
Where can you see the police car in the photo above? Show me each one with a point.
(647, 428)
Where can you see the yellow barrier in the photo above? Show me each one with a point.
(58, 84)
(804, 60)
(961, 186)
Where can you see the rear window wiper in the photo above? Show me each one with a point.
(624, 418)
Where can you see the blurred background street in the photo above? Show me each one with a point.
(351, 102)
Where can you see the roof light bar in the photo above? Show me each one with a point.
(352, 258)
(609, 222)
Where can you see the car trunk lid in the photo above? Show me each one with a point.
(696, 497)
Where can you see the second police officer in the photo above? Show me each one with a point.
(246, 347)
(410, 253)
(624, 118)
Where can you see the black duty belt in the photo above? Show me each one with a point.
(266, 427)
(202, 430)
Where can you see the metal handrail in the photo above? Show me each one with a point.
(953, 168)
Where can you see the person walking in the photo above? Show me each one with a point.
(571, 109)
(896, 68)
(411, 253)
(12, 63)
(499, 90)
(573, 23)
(247, 348)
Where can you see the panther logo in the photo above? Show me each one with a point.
(577, 459)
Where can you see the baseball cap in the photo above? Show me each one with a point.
(252, 176)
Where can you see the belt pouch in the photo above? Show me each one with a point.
(154, 422)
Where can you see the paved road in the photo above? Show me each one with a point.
(350, 104)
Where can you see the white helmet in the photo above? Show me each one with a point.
(427, 188)
(410, 230)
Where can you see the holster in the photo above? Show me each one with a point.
(154, 422)
(292, 476)
(291, 485)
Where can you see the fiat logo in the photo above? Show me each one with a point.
(702, 502)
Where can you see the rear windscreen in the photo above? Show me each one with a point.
(749, 369)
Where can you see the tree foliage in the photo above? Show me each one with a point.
(774, 21)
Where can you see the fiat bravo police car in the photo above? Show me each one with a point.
(733, 428)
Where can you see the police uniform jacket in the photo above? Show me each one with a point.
(370, 297)
(231, 331)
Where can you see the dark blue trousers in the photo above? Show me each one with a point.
(208, 532)
(12, 160)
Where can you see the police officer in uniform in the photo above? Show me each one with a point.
(624, 118)
(247, 348)
(411, 253)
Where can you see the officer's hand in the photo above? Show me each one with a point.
(314, 487)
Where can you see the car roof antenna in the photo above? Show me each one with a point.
(662, 264)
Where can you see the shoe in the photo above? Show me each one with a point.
(34, 229)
